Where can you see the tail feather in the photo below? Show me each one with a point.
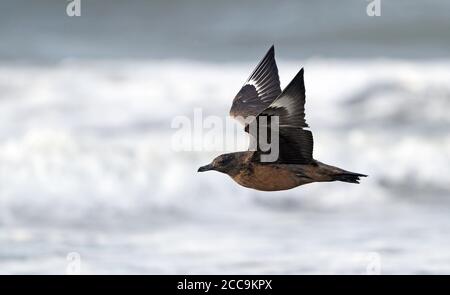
(349, 177)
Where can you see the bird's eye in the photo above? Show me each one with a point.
(223, 161)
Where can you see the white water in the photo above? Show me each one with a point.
(86, 165)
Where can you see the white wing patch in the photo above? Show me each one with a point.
(284, 102)
(255, 84)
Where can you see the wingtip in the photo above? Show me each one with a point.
(299, 75)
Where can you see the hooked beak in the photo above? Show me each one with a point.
(206, 168)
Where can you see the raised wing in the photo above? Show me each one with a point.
(295, 143)
(259, 91)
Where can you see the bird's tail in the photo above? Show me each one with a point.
(348, 177)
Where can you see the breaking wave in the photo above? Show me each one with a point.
(89, 143)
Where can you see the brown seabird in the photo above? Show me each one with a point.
(261, 96)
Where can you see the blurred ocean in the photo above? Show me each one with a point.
(87, 166)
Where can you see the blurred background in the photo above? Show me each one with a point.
(87, 165)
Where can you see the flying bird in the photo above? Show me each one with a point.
(261, 96)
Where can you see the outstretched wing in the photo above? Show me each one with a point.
(295, 143)
(260, 89)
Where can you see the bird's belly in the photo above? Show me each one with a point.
(268, 178)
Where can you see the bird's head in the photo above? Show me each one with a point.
(226, 163)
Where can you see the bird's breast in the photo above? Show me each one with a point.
(266, 177)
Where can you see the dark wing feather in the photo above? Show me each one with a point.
(290, 105)
(296, 144)
(260, 89)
